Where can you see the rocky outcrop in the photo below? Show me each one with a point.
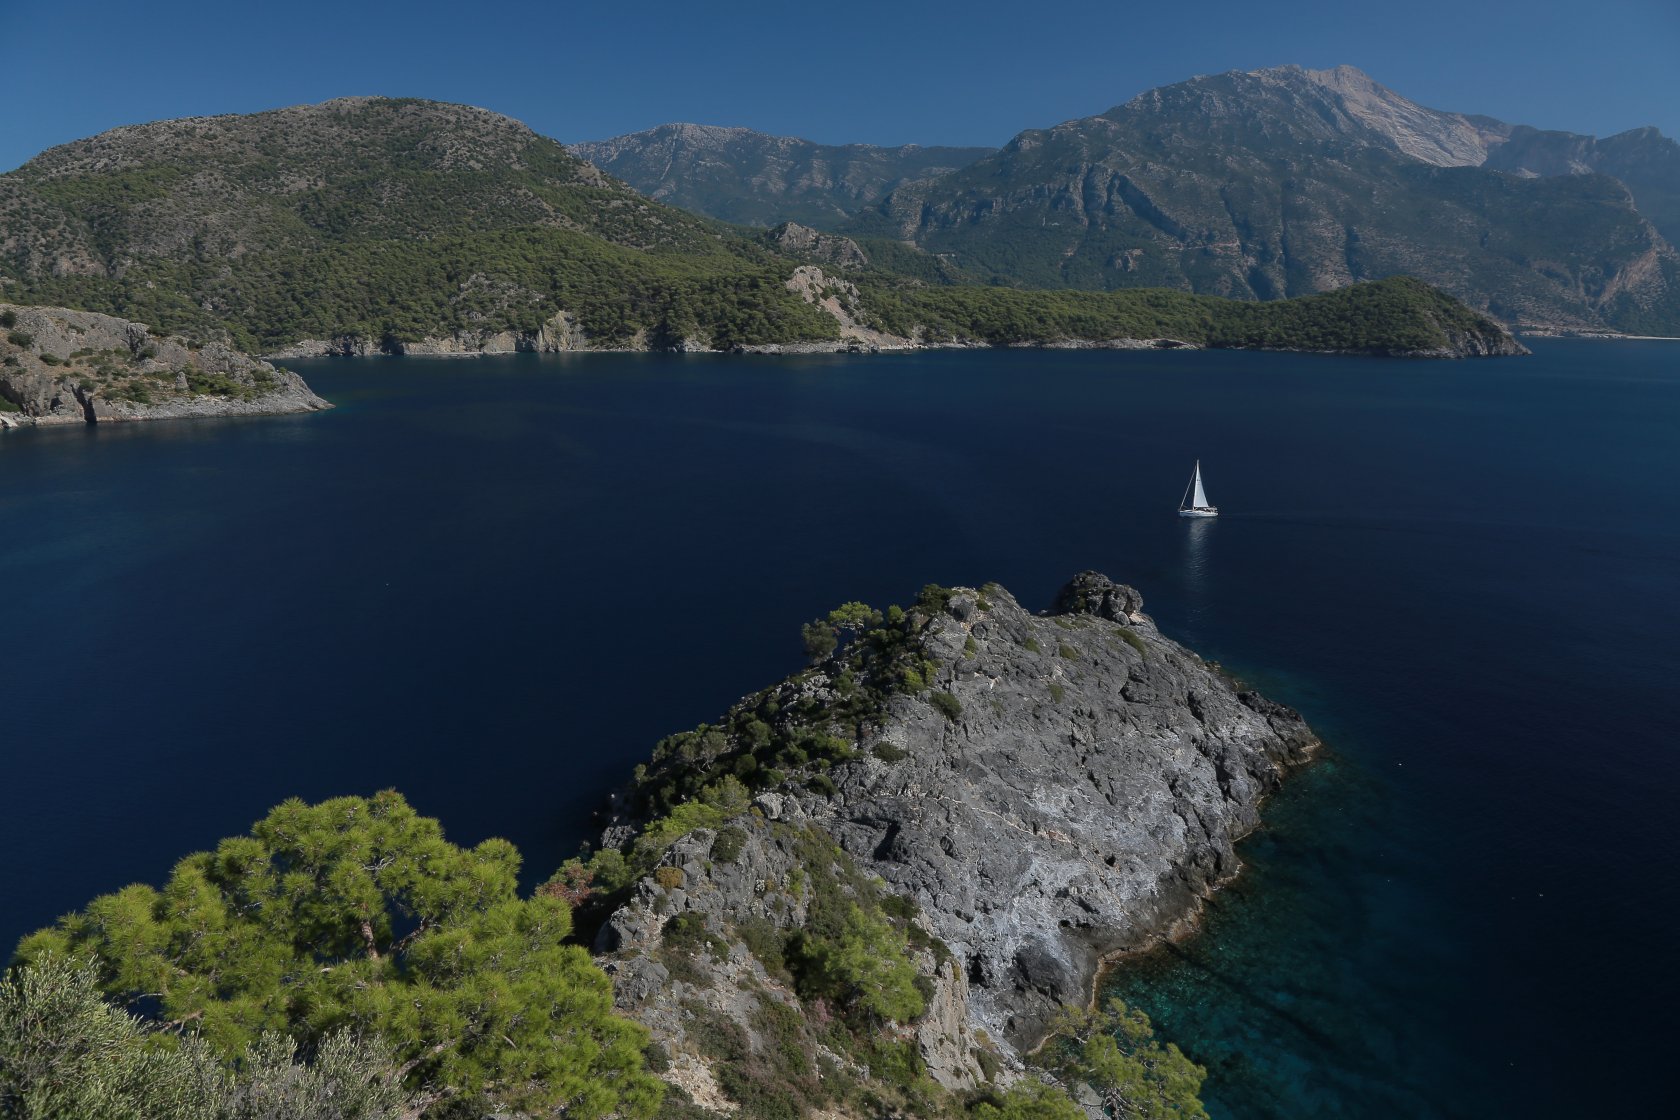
(560, 333)
(840, 300)
(1063, 787)
(59, 366)
(806, 243)
(682, 981)
(1084, 802)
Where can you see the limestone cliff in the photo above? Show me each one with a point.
(76, 367)
(1019, 796)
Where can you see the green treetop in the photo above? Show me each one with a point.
(357, 914)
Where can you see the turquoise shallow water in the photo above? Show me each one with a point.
(493, 584)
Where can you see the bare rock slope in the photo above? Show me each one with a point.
(1036, 791)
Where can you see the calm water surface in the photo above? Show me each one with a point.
(494, 584)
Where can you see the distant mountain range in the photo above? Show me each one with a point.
(1258, 184)
(751, 178)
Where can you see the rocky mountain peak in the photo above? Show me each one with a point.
(1443, 139)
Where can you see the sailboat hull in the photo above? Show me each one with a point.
(1210, 511)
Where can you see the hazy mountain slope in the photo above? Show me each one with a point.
(1645, 160)
(1288, 181)
(752, 178)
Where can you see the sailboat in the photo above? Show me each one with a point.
(1196, 505)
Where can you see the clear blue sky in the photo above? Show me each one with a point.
(953, 73)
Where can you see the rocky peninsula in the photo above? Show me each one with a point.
(59, 366)
(1008, 798)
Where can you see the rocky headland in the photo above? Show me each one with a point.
(59, 366)
(1006, 799)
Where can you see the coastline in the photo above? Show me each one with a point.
(317, 348)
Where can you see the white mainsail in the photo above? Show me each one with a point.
(1200, 501)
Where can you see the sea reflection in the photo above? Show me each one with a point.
(1198, 562)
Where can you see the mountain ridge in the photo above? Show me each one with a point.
(1275, 182)
(753, 178)
(1286, 181)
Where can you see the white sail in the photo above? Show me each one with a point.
(1200, 501)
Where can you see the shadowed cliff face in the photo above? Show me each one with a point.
(1067, 786)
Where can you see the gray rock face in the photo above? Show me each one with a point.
(560, 333)
(1085, 801)
(809, 244)
(77, 367)
(766, 883)
(1070, 786)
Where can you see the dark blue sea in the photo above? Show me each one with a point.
(494, 584)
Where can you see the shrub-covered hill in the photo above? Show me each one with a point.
(373, 217)
(1398, 316)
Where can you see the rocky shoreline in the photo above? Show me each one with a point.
(1069, 788)
(59, 366)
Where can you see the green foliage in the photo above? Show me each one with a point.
(1057, 692)
(204, 383)
(888, 752)
(687, 933)
(20, 338)
(1028, 1100)
(851, 618)
(726, 847)
(66, 1053)
(1115, 1051)
(819, 639)
(949, 706)
(865, 967)
(356, 913)
(1031, 646)
(1397, 315)
(8, 319)
(934, 598)
(1130, 638)
(1067, 651)
(786, 733)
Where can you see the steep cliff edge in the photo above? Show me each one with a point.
(77, 367)
(991, 801)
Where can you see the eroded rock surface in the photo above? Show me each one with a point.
(1057, 788)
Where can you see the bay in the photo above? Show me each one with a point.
(493, 584)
